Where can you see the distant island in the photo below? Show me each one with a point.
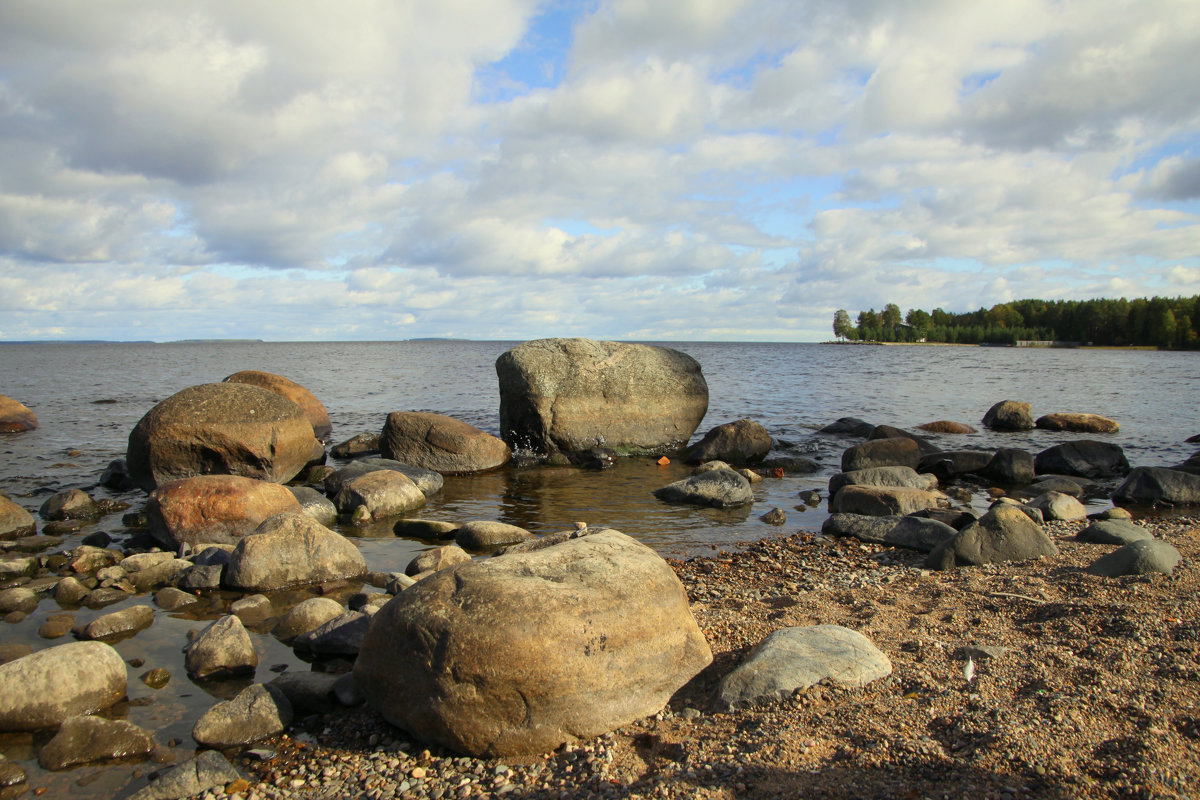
(1162, 322)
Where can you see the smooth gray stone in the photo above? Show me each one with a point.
(1113, 531)
(208, 770)
(722, 488)
(1138, 558)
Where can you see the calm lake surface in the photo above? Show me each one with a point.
(89, 396)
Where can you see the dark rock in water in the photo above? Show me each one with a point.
(440, 443)
(1005, 533)
(563, 395)
(82, 740)
(314, 410)
(775, 516)
(15, 521)
(1086, 458)
(594, 458)
(1137, 558)
(361, 445)
(257, 712)
(720, 488)
(1192, 464)
(849, 426)
(882, 453)
(883, 476)
(71, 504)
(127, 621)
(207, 771)
(198, 577)
(884, 500)
(1155, 485)
(1009, 415)
(425, 528)
(220, 429)
(1113, 531)
(742, 442)
(116, 477)
(792, 465)
(307, 692)
(949, 464)
(15, 417)
(340, 636)
(518, 654)
(1077, 423)
(11, 773)
(1009, 466)
(1053, 483)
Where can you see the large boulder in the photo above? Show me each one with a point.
(913, 533)
(564, 395)
(1009, 415)
(313, 409)
(949, 464)
(440, 443)
(1058, 506)
(720, 488)
(382, 492)
(213, 508)
(44, 688)
(1005, 533)
(15, 521)
(15, 416)
(220, 429)
(222, 649)
(1078, 423)
(1137, 558)
(891, 452)
(291, 549)
(521, 653)
(792, 659)
(256, 712)
(742, 442)
(906, 477)
(1153, 485)
(1085, 458)
(881, 501)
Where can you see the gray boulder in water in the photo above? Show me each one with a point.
(1084, 457)
(742, 442)
(566, 395)
(521, 653)
(720, 488)
(1009, 415)
(1155, 485)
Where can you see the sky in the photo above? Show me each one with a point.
(654, 170)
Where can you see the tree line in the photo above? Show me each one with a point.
(1164, 322)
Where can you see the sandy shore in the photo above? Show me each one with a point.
(1083, 687)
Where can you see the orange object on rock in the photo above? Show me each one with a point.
(662, 462)
(777, 472)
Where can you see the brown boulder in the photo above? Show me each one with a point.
(440, 443)
(15, 521)
(220, 429)
(521, 653)
(313, 409)
(1009, 415)
(946, 426)
(213, 508)
(1078, 423)
(15, 417)
(742, 442)
(898, 452)
(566, 395)
(290, 549)
(882, 501)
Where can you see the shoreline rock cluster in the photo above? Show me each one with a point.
(552, 641)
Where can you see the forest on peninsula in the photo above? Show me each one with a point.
(1163, 322)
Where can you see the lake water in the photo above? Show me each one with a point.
(89, 396)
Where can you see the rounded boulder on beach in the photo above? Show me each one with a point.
(44, 688)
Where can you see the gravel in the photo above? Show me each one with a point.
(1080, 686)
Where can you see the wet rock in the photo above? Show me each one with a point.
(721, 488)
(1113, 531)
(207, 771)
(213, 508)
(913, 533)
(18, 598)
(314, 410)
(1077, 423)
(15, 521)
(15, 417)
(946, 426)
(1154, 485)
(427, 480)
(85, 559)
(1009, 415)
(307, 616)
(157, 573)
(82, 740)
(1054, 483)
(775, 516)
(1058, 506)
(173, 599)
(884, 500)
(905, 477)
(849, 426)
(220, 650)
(791, 465)
(1005, 533)
(1084, 457)
(257, 712)
(45, 688)
(252, 610)
(563, 395)
(437, 558)
(220, 429)
(156, 678)
(521, 653)
(894, 452)
(440, 443)
(70, 592)
(199, 577)
(383, 493)
(18, 567)
(11, 773)
(1137, 558)
(340, 636)
(487, 534)
(70, 504)
(116, 476)
(742, 442)
(1009, 466)
(359, 445)
(949, 464)
(425, 528)
(291, 549)
(125, 622)
(56, 626)
(315, 505)
(792, 659)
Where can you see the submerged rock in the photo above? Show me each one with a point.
(82, 740)
(1009, 415)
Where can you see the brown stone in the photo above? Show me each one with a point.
(214, 508)
(313, 409)
(946, 426)
(440, 443)
(15, 417)
(1077, 423)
